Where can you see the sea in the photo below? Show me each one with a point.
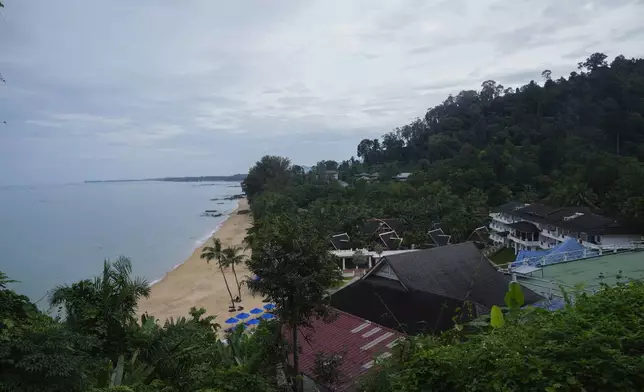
(59, 234)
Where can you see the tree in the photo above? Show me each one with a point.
(546, 75)
(104, 307)
(232, 256)
(296, 268)
(379, 249)
(328, 369)
(214, 252)
(360, 258)
(593, 62)
(269, 173)
(36, 352)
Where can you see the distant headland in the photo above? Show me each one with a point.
(234, 177)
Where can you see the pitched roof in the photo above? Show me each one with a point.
(396, 224)
(341, 241)
(439, 237)
(357, 339)
(374, 224)
(481, 237)
(577, 219)
(582, 219)
(387, 302)
(509, 207)
(458, 271)
(391, 240)
(402, 176)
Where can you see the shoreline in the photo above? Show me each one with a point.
(194, 282)
(200, 243)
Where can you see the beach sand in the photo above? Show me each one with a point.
(197, 283)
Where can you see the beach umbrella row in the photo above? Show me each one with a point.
(242, 316)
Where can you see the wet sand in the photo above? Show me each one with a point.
(197, 283)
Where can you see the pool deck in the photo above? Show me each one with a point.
(587, 272)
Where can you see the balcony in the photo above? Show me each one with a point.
(498, 227)
(497, 238)
(553, 235)
(524, 242)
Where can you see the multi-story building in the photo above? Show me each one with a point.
(539, 227)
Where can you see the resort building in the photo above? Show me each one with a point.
(534, 227)
(421, 291)
(383, 232)
(401, 177)
(367, 176)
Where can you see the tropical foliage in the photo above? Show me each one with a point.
(596, 345)
(569, 141)
(99, 345)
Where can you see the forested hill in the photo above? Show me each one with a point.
(574, 141)
(570, 141)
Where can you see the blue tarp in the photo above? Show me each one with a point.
(568, 250)
(550, 304)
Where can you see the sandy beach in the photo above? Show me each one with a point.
(197, 283)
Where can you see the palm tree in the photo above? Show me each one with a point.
(105, 306)
(232, 256)
(214, 252)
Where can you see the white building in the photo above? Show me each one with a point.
(401, 177)
(536, 226)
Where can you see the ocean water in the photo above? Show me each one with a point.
(56, 234)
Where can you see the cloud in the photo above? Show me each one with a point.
(108, 130)
(148, 84)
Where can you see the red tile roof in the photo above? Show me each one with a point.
(359, 340)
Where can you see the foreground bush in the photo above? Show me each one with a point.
(596, 345)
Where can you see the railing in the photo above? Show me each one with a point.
(554, 235)
(554, 288)
(523, 242)
(496, 238)
(502, 219)
(497, 227)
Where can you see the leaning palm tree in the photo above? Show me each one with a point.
(232, 256)
(210, 253)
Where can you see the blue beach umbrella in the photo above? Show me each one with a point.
(232, 320)
(242, 316)
(257, 278)
(267, 316)
(256, 311)
(253, 322)
(269, 306)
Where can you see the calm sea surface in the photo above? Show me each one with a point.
(55, 234)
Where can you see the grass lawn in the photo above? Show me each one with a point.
(504, 256)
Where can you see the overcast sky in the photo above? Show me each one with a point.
(142, 88)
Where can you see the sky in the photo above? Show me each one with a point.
(148, 88)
